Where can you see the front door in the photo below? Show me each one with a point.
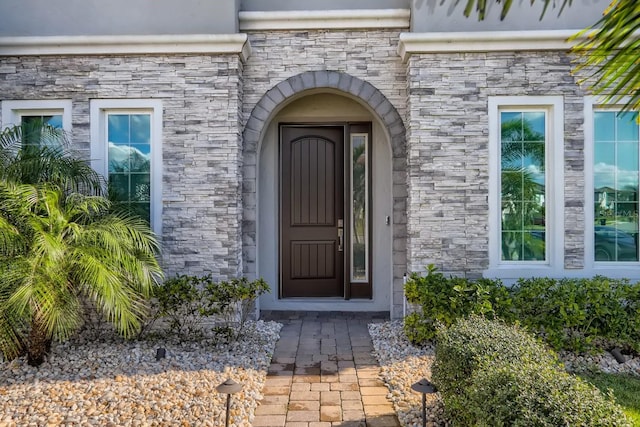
(311, 211)
(325, 211)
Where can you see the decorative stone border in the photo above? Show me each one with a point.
(361, 89)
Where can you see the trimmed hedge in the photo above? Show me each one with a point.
(493, 374)
(569, 314)
(580, 314)
(444, 300)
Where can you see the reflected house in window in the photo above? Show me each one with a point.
(616, 174)
(616, 225)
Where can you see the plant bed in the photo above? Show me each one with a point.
(110, 381)
(403, 364)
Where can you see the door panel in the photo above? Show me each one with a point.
(312, 196)
(312, 260)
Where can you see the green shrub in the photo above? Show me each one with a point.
(179, 304)
(569, 314)
(444, 300)
(464, 347)
(575, 314)
(492, 374)
(530, 394)
(232, 302)
(187, 303)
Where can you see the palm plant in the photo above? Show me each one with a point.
(35, 152)
(609, 53)
(65, 247)
(481, 6)
(60, 247)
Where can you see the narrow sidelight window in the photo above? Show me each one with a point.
(523, 136)
(129, 139)
(359, 170)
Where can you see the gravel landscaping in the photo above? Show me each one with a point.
(402, 364)
(112, 382)
(106, 381)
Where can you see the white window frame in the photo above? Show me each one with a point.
(615, 269)
(99, 108)
(14, 110)
(554, 187)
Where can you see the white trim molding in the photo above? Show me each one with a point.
(324, 19)
(483, 41)
(616, 269)
(13, 110)
(553, 106)
(99, 109)
(134, 44)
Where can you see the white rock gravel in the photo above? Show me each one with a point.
(403, 364)
(112, 382)
(604, 362)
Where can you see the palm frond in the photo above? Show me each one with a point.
(608, 54)
(36, 152)
(12, 326)
(481, 7)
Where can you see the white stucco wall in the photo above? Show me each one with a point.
(448, 16)
(117, 17)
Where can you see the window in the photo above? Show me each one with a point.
(126, 149)
(526, 181)
(613, 172)
(359, 169)
(56, 113)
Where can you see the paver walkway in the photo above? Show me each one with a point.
(323, 374)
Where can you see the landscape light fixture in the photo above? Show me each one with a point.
(617, 354)
(161, 353)
(228, 387)
(424, 386)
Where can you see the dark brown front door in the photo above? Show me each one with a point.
(311, 211)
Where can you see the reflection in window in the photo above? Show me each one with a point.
(523, 187)
(615, 178)
(129, 137)
(359, 208)
(32, 127)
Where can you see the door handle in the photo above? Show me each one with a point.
(340, 235)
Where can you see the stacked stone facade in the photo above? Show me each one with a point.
(448, 154)
(363, 64)
(201, 146)
(216, 108)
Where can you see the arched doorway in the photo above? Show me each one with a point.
(339, 147)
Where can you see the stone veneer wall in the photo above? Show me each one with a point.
(368, 55)
(207, 101)
(447, 146)
(202, 150)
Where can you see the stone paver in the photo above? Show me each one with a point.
(323, 374)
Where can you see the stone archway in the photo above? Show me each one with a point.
(364, 93)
